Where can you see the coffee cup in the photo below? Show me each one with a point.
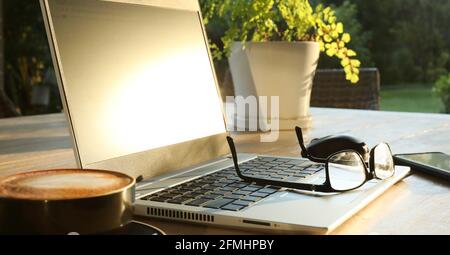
(65, 201)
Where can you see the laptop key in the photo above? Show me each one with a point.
(216, 184)
(216, 204)
(184, 190)
(203, 183)
(242, 192)
(286, 166)
(158, 199)
(283, 160)
(232, 196)
(168, 196)
(198, 192)
(268, 190)
(266, 159)
(226, 182)
(251, 198)
(219, 175)
(259, 194)
(209, 187)
(210, 196)
(193, 195)
(260, 176)
(242, 202)
(189, 195)
(232, 207)
(294, 179)
(248, 188)
(175, 193)
(307, 171)
(238, 185)
(316, 169)
(198, 202)
(177, 200)
(219, 192)
(228, 188)
(302, 175)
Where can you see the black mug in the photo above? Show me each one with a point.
(86, 211)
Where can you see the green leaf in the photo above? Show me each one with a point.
(288, 20)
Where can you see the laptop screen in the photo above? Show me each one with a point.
(135, 77)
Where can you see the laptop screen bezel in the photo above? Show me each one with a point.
(151, 162)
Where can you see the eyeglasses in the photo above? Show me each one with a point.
(345, 170)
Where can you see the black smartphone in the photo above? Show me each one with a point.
(435, 163)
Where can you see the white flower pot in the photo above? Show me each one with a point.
(283, 69)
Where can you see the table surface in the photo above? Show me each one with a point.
(420, 204)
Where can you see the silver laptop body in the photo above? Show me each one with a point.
(140, 95)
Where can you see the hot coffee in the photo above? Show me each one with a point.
(65, 201)
(62, 184)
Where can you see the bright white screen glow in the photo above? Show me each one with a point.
(136, 77)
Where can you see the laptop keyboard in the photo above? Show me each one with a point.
(225, 190)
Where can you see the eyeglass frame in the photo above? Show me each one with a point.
(326, 187)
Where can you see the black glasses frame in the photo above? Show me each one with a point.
(326, 187)
(370, 166)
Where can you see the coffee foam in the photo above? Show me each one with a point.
(62, 184)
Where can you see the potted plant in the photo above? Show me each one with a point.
(442, 88)
(273, 48)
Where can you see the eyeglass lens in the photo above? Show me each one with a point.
(346, 171)
(383, 161)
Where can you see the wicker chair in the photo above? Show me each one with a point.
(330, 89)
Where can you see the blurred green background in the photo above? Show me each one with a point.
(410, 98)
(407, 40)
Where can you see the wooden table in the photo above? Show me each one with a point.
(420, 204)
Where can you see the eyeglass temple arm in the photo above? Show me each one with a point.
(263, 182)
(299, 133)
(304, 152)
(235, 159)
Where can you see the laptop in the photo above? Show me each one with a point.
(140, 96)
